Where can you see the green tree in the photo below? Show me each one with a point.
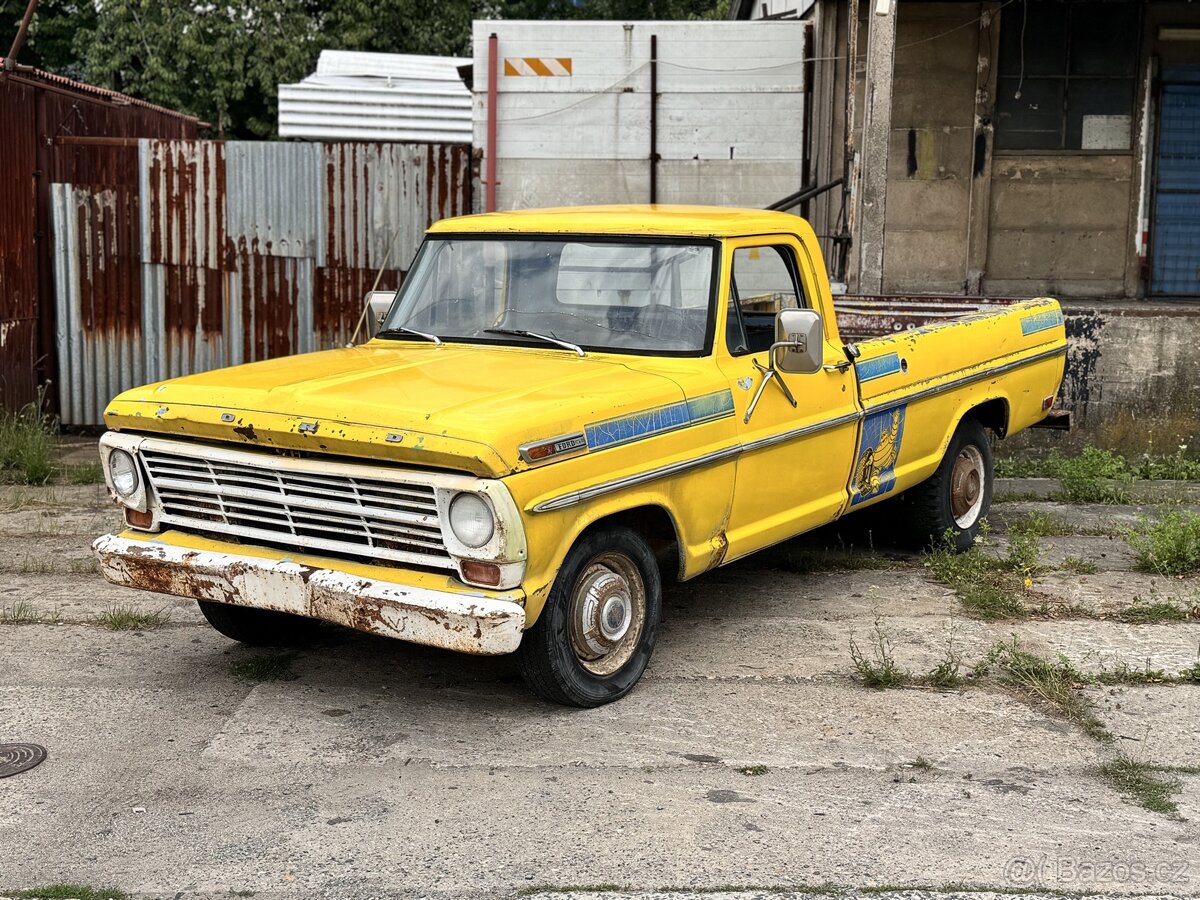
(54, 38)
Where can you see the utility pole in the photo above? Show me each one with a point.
(876, 132)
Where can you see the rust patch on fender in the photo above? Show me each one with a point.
(246, 431)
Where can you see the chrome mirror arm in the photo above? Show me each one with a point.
(769, 373)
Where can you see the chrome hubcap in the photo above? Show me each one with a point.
(966, 487)
(608, 609)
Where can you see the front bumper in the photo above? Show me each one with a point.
(469, 623)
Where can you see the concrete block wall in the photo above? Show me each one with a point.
(1132, 380)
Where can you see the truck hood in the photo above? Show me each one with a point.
(466, 408)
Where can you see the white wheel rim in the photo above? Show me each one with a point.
(967, 484)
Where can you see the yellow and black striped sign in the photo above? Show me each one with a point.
(546, 66)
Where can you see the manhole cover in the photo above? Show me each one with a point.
(16, 758)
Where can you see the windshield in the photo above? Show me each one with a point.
(621, 296)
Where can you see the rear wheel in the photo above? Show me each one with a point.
(596, 633)
(258, 627)
(957, 497)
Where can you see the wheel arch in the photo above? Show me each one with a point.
(992, 413)
(656, 525)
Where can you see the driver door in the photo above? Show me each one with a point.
(793, 472)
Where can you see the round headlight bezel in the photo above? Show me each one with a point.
(469, 510)
(127, 474)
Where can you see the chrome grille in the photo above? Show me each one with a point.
(367, 517)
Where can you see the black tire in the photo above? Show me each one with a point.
(549, 660)
(930, 505)
(259, 627)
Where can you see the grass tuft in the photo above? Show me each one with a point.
(1094, 476)
(1168, 546)
(20, 612)
(86, 473)
(1154, 611)
(265, 667)
(754, 770)
(876, 665)
(1079, 566)
(125, 618)
(987, 589)
(28, 440)
(1142, 783)
(68, 892)
(1050, 683)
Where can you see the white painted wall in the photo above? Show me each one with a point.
(730, 112)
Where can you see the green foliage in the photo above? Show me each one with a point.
(986, 588)
(1079, 566)
(876, 665)
(1167, 468)
(265, 667)
(126, 618)
(1142, 783)
(1144, 612)
(1052, 683)
(222, 60)
(86, 473)
(68, 892)
(1094, 476)
(1039, 524)
(27, 444)
(1169, 545)
(754, 770)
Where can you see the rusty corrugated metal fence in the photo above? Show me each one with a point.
(222, 253)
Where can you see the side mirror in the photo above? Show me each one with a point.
(380, 302)
(799, 346)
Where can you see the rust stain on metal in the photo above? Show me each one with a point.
(246, 431)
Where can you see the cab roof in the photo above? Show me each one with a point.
(656, 219)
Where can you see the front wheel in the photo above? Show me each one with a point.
(596, 633)
(957, 497)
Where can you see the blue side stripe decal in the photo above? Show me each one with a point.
(635, 426)
(1041, 321)
(888, 364)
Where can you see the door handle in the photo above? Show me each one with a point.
(839, 367)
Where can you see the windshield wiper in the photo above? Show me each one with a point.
(400, 329)
(519, 332)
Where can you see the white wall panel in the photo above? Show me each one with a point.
(730, 112)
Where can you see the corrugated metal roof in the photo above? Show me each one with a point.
(378, 97)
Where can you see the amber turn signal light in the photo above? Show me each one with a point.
(137, 519)
(481, 573)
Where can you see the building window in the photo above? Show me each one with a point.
(1066, 78)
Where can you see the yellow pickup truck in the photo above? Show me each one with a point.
(560, 410)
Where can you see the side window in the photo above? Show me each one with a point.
(763, 282)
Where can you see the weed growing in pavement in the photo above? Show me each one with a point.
(265, 667)
(35, 565)
(1079, 566)
(68, 892)
(86, 473)
(1168, 546)
(984, 587)
(84, 566)
(27, 443)
(126, 618)
(1123, 674)
(754, 770)
(1094, 476)
(1039, 524)
(20, 612)
(876, 665)
(946, 673)
(1143, 783)
(921, 763)
(1051, 684)
(1142, 612)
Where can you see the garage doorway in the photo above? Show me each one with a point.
(1176, 248)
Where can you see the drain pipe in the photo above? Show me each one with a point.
(493, 66)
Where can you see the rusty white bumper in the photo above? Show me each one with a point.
(464, 622)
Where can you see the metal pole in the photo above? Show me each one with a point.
(493, 66)
(654, 118)
(10, 61)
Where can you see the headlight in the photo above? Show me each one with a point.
(471, 520)
(123, 472)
